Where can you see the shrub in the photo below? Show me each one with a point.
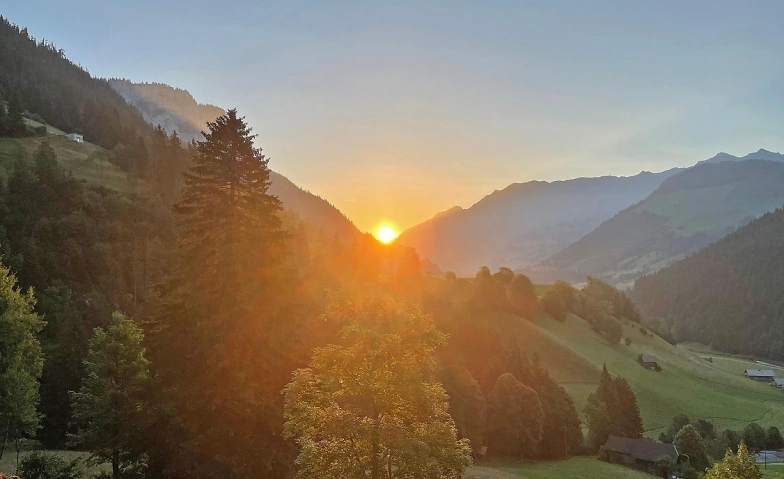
(628, 341)
(39, 465)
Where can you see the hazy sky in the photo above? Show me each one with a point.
(397, 110)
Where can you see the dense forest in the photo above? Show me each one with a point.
(727, 295)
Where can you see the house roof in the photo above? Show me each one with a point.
(649, 358)
(643, 449)
(778, 381)
(760, 373)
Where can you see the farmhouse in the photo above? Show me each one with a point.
(75, 137)
(779, 383)
(765, 375)
(638, 453)
(649, 361)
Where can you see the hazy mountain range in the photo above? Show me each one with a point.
(615, 228)
(728, 295)
(526, 223)
(686, 213)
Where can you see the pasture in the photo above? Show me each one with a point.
(689, 383)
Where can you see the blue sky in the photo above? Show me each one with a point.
(396, 110)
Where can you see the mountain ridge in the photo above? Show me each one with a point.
(174, 109)
(687, 212)
(524, 223)
(727, 295)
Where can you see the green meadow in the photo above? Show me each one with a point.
(84, 160)
(700, 384)
(576, 467)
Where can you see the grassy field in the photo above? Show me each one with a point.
(84, 160)
(688, 383)
(576, 467)
(8, 462)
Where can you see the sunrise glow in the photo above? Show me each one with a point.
(386, 234)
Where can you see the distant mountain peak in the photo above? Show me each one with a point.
(761, 154)
(524, 223)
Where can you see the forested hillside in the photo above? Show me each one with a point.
(174, 109)
(41, 80)
(314, 210)
(727, 295)
(687, 212)
(525, 222)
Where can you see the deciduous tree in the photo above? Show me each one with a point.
(740, 466)
(514, 418)
(108, 407)
(370, 406)
(689, 442)
(21, 360)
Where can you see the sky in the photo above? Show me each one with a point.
(394, 111)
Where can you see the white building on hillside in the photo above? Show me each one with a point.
(75, 137)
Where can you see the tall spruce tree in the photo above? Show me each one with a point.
(612, 409)
(218, 345)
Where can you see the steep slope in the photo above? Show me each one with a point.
(313, 209)
(172, 108)
(46, 83)
(729, 295)
(686, 213)
(84, 161)
(525, 222)
(574, 354)
(176, 110)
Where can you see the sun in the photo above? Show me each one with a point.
(386, 234)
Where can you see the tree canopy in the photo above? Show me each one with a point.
(21, 360)
(514, 418)
(740, 466)
(108, 406)
(370, 406)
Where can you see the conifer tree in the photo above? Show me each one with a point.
(612, 409)
(628, 422)
(217, 341)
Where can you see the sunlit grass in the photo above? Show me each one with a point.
(576, 467)
(689, 383)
